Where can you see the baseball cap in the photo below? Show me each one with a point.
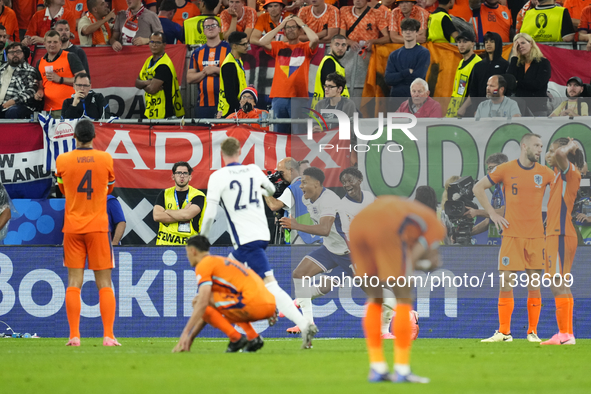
(252, 91)
(576, 79)
(466, 35)
(271, 2)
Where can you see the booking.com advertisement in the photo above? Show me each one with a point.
(154, 288)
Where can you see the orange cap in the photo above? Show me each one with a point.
(271, 2)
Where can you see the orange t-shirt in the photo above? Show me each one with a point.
(189, 10)
(523, 189)
(498, 20)
(41, 24)
(585, 23)
(9, 21)
(121, 5)
(265, 24)
(327, 20)
(24, 10)
(461, 9)
(292, 66)
(85, 175)
(575, 7)
(563, 193)
(418, 13)
(247, 21)
(384, 10)
(254, 114)
(368, 28)
(232, 284)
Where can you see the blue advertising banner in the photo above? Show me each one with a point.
(154, 287)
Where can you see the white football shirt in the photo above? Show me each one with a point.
(328, 205)
(349, 208)
(239, 190)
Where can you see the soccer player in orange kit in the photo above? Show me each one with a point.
(85, 176)
(228, 293)
(567, 160)
(386, 239)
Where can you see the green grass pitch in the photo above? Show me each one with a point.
(146, 365)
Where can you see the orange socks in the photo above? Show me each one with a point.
(108, 306)
(215, 319)
(534, 306)
(571, 306)
(506, 305)
(562, 316)
(73, 306)
(249, 330)
(403, 332)
(373, 332)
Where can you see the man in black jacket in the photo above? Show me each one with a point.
(85, 102)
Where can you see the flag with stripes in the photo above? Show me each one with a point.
(58, 138)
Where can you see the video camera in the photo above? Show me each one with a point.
(280, 184)
(583, 200)
(460, 197)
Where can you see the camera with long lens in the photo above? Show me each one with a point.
(460, 197)
(280, 184)
(583, 200)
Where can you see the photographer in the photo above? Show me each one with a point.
(497, 201)
(291, 200)
(248, 101)
(459, 226)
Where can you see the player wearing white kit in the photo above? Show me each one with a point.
(236, 189)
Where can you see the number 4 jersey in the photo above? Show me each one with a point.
(239, 190)
(85, 175)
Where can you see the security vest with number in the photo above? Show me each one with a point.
(223, 104)
(156, 103)
(435, 28)
(177, 233)
(318, 88)
(460, 86)
(544, 25)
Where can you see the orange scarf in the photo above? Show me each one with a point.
(98, 37)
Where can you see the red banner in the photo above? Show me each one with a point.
(120, 69)
(567, 63)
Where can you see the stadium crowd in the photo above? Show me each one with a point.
(292, 33)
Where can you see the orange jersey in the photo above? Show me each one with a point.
(85, 175)
(292, 66)
(9, 21)
(523, 189)
(246, 21)
(265, 24)
(232, 284)
(563, 193)
(461, 9)
(24, 10)
(396, 17)
(575, 7)
(585, 23)
(121, 5)
(41, 24)
(498, 20)
(384, 10)
(326, 20)
(189, 10)
(368, 28)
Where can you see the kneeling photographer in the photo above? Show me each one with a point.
(497, 201)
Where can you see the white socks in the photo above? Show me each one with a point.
(307, 308)
(380, 367)
(285, 305)
(387, 313)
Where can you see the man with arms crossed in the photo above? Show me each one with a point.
(523, 244)
(85, 176)
(237, 189)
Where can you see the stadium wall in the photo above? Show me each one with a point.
(154, 287)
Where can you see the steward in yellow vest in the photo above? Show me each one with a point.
(330, 64)
(232, 77)
(179, 209)
(194, 31)
(465, 42)
(440, 28)
(548, 23)
(159, 81)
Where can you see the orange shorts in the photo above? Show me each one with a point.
(560, 252)
(519, 254)
(378, 253)
(96, 246)
(237, 309)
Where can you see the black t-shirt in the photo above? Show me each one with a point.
(182, 196)
(164, 74)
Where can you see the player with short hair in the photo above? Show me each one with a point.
(567, 160)
(387, 238)
(85, 176)
(523, 244)
(237, 189)
(229, 292)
